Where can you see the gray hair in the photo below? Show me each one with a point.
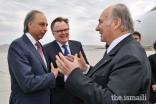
(30, 18)
(122, 12)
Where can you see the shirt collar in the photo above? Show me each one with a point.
(33, 41)
(62, 44)
(116, 41)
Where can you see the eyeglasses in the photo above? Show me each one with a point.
(61, 31)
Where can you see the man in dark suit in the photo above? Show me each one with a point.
(152, 60)
(137, 36)
(60, 31)
(31, 79)
(123, 75)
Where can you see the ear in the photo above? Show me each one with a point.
(117, 23)
(29, 25)
(53, 33)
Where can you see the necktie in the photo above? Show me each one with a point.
(39, 49)
(105, 54)
(66, 52)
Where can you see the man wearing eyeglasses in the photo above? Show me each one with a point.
(60, 31)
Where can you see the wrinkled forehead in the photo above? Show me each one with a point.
(40, 17)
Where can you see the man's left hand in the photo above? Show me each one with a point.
(82, 64)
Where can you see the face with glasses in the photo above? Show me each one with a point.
(61, 32)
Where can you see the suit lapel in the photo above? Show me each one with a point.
(57, 48)
(110, 55)
(46, 58)
(32, 48)
(102, 62)
(71, 46)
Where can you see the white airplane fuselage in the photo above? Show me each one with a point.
(146, 26)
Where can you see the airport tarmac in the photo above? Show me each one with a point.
(93, 53)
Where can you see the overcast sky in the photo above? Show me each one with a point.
(82, 14)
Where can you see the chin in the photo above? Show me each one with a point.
(65, 41)
(40, 38)
(101, 40)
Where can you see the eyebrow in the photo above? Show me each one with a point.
(43, 23)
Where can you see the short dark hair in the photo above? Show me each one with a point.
(58, 19)
(137, 33)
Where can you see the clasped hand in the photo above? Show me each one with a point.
(66, 64)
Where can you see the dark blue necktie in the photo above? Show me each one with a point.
(105, 54)
(66, 52)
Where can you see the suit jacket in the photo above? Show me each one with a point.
(124, 72)
(61, 94)
(30, 78)
(152, 60)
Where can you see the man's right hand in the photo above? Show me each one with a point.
(54, 70)
(82, 63)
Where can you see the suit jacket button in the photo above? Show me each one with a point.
(49, 93)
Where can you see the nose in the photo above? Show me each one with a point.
(97, 28)
(45, 28)
(63, 32)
